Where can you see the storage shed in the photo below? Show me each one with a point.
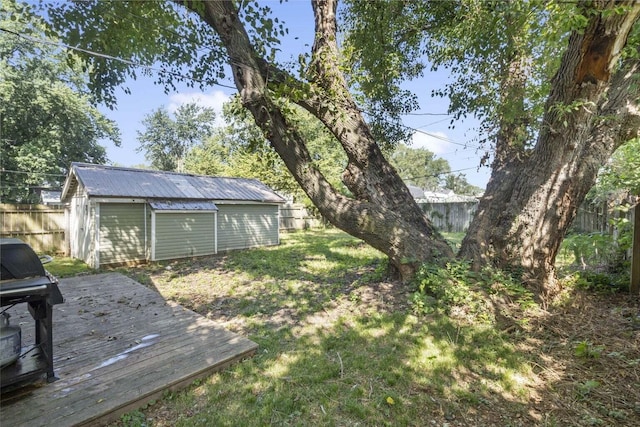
(120, 215)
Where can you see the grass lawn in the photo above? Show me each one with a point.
(66, 267)
(340, 344)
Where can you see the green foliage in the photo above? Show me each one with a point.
(454, 239)
(209, 158)
(418, 166)
(459, 185)
(606, 282)
(67, 267)
(479, 42)
(448, 286)
(599, 258)
(164, 33)
(134, 419)
(454, 288)
(586, 350)
(594, 249)
(584, 389)
(379, 60)
(166, 141)
(622, 173)
(239, 149)
(47, 120)
(334, 348)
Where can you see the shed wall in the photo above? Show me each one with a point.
(247, 226)
(180, 235)
(122, 232)
(82, 228)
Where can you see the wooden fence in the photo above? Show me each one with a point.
(448, 217)
(42, 227)
(599, 218)
(294, 216)
(451, 217)
(456, 216)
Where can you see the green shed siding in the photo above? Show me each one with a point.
(179, 235)
(247, 226)
(122, 232)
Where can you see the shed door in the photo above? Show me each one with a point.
(187, 234)
(122, 232)
(247, 226)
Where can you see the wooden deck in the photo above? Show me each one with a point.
(117, 346)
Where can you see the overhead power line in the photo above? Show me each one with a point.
(427, 114)
(436, 175)
(171, 73)
(31, 173)
(442, 138)
(112, 58)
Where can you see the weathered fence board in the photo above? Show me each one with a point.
(295, 216)
(592, 218)
(42, 227)
(451, 217)
(599, 218)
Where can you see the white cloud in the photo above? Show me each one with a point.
(215, 99)
(436, 142)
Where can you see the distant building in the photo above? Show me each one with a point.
(445, 196)
(416, 192)
(50, 197)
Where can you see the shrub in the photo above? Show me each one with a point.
(455, 288)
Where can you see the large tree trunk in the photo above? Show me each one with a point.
(530, 203)
(532, 196)
(382, 212)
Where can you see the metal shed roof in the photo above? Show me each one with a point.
(112, 181)
(179, 205)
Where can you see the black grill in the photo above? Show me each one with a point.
(23, 279)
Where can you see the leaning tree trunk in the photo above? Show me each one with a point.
(381, 211)
(589, 113)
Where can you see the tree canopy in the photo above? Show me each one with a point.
(166, 141)
(240, 149)
(622, 172)
(47, 119)
(555, 85)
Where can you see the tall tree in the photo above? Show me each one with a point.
(166, 141)
(536, 185)
(459, 185)
(553, 86)
(622, 172)
(240, 149)
(419, 166)
(47, 119)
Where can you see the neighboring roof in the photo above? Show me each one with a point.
(446, 196)
(112, 181)
(49, 197)
(416, 192)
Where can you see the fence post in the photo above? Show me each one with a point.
(634, 287)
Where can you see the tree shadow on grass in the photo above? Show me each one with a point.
(341, 347)
(389, 369)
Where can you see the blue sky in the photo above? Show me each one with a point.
(455, 145)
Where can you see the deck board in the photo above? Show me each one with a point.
(117, 346)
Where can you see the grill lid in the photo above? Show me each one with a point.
(18, 260)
